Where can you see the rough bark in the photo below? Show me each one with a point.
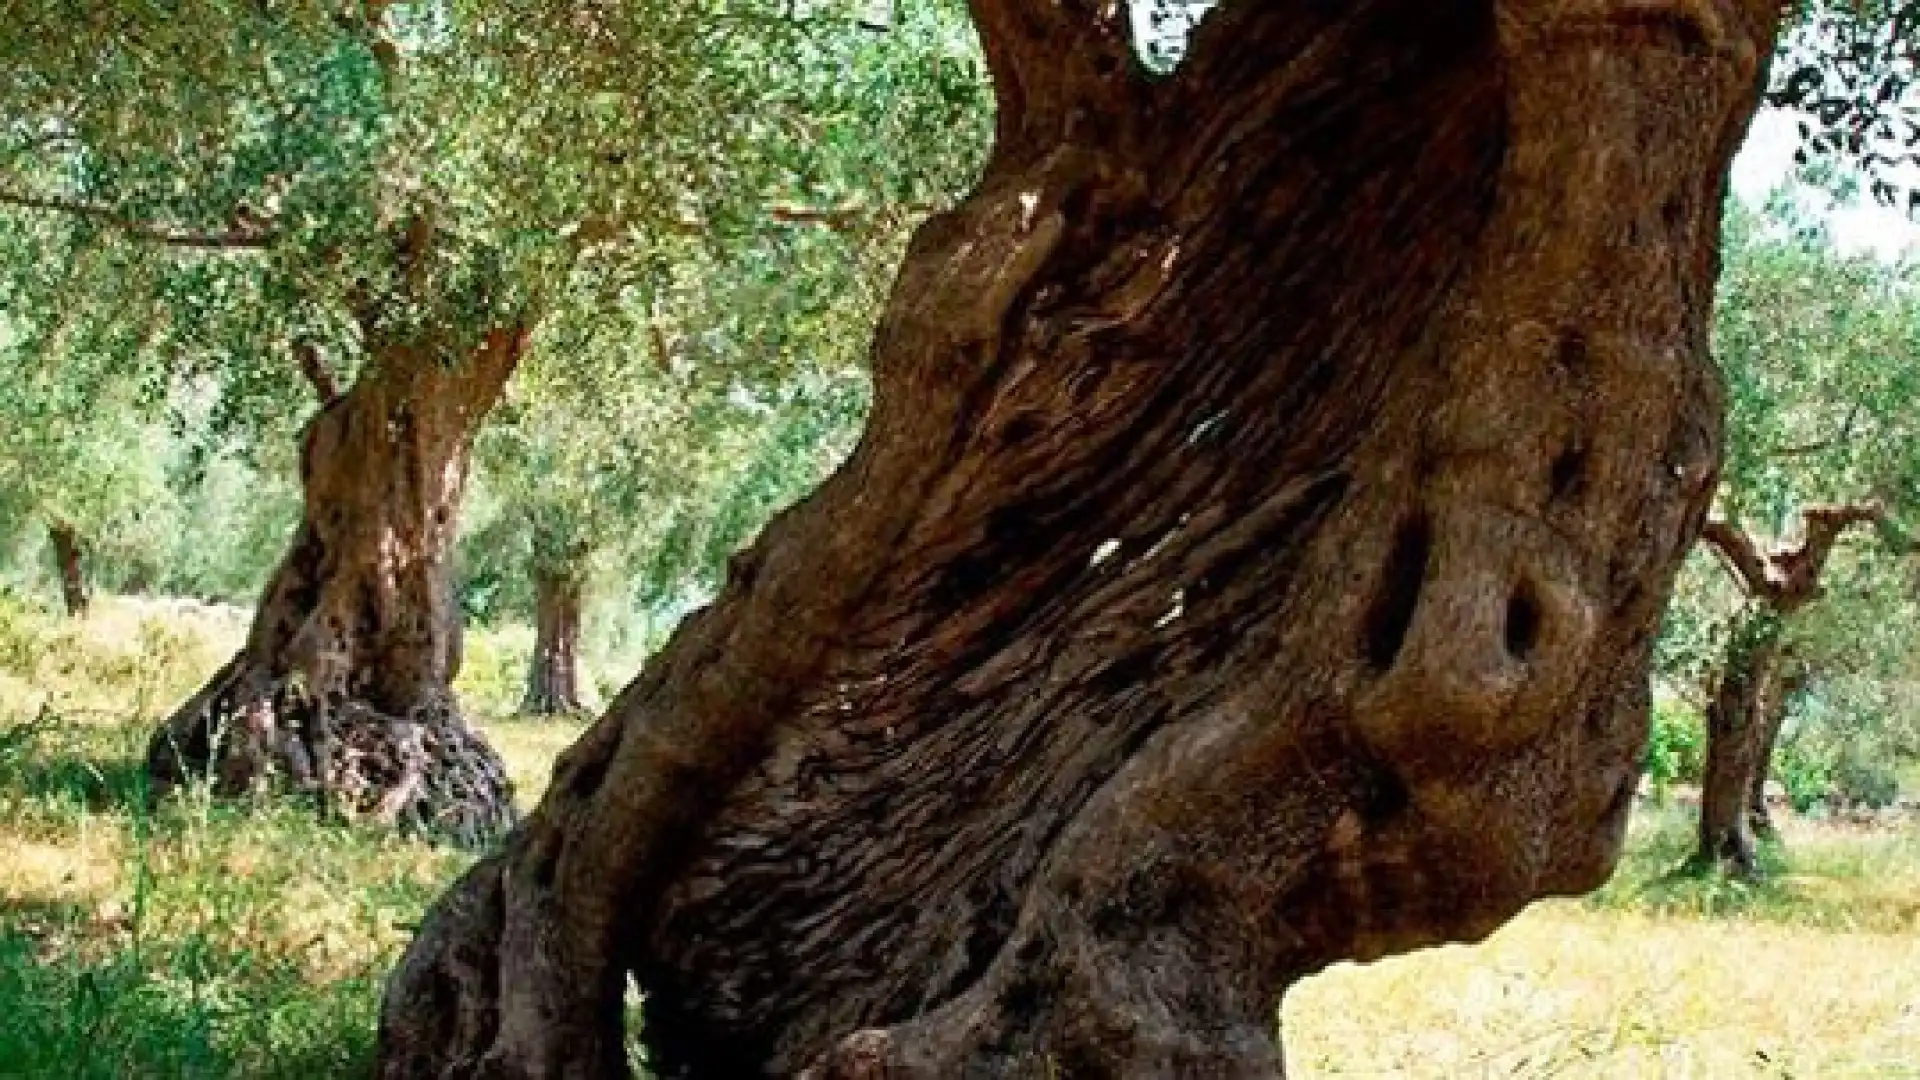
(1749, 702)
(343, 686)
(1274, 479)
(553, 676)
(1759, 813)
(1737, 744)
(69, 557)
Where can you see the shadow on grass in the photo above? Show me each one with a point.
(45, 760)
(83, 997)
(1858, 883)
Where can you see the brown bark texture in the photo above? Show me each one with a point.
(1739, 726)
(553, 675)
(69, 556)
(1792, 679)
(1274, 479)
(343, 686)
(1749, 700)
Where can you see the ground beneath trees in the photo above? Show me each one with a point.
(213, 941)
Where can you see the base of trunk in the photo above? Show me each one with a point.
(552, 706)
(424, 772)
(1731, 852)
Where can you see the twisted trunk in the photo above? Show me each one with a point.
(69, 554)
(553, 677)
(1274, 479)
(1740, 725)
(1749, 704)
(343, 686)
(1759, 811)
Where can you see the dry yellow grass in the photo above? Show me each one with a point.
(251, 942)
(1565, 991)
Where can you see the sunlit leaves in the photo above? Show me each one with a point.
(1822, 356)
(689, 381)
(1851, 68)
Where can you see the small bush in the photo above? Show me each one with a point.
(1676, 747)
(1861, 778)
(1805, 772)
(19, 633)
(493, 670)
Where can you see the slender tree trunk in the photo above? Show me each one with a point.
(553, 677)
(1749, 703)
(69, 554)
(1759, 813)
(1274, 480)
(343, 686)
(1739, 736)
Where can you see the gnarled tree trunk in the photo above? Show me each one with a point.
(553, 676)
(1739, 728)
(1788, 683)
(342, 688)
(1274, 479)
(1749, 703)
(69, 556)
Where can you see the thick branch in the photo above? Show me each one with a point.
(236, 239)
(1057, 66)
(836, 218)
(500, 353)
(386, 54)
(314, 366)
(1788, 577)
(1739, 554)
(1824, 526)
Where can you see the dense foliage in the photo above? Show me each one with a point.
(697, 206)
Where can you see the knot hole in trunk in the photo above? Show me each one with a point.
(1391, 613)
(1523, 621)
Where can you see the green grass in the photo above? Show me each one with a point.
(203, 939)
(1825, 876)
(210, 940)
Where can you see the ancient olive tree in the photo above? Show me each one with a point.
(227, 163)
(383, 202)
(1274, 477)
(1819, 353)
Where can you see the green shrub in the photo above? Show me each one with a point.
(1847, 744)
(19, 633)
(1676, 747)
(493, 669)
(1805, 772)
(1863, 778)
